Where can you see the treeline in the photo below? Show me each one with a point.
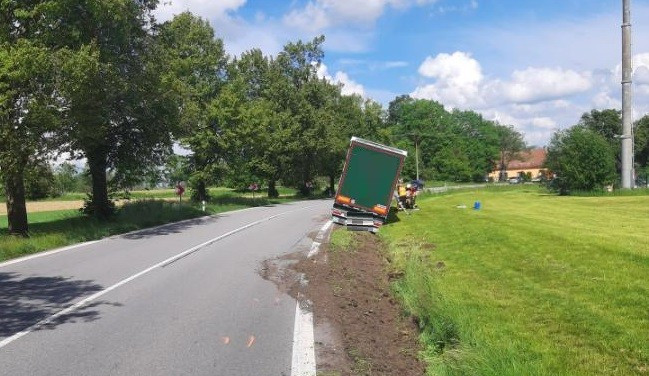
(101, 80)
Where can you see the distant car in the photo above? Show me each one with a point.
(514, 180)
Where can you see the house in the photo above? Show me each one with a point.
(530, 163)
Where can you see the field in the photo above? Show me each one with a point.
(532, 284)
(56, 228)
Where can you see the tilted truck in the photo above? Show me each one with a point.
(367, 184)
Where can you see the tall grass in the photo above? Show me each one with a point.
(533, 284)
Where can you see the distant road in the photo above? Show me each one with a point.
(155, 303)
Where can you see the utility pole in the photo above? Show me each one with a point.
(627, 98)
(417, 156)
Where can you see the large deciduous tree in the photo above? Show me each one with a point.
(197, 66)
(119, 109)
(27, 100)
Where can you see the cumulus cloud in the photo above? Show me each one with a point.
(348, 86)
(318, 15)
(458, 69)
(532, 99)
(536, 84)
(459, 82)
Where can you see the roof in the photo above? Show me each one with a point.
(379, 146)
(532, 159)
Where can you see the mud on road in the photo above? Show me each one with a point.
(360, 327)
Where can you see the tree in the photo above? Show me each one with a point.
(510, 146)
(197, 64)
(120, 110)
(641, 147)
(581, 159)
(481, 139)
(39, 181)
(68, 178)
(297, 64)
(608, 124)
(27, 115)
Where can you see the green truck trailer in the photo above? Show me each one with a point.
(367, 185)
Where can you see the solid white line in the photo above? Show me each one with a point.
(303, 360)
(46, 253)
(315, 247)
(96, 295)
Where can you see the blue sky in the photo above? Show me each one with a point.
(537, 65)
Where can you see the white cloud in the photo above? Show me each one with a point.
(641, 69)
(458, 68)
(459, 82)
(537, 84)
(534, 100)
(544, 122)
(208, 9)
(348, 86)
(318, 15)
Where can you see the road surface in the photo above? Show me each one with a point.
(158, 304)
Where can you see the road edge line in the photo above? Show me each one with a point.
(303, 357)
(124, 281)
(47, 253)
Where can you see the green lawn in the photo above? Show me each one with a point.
(532, 284)
(60, 228)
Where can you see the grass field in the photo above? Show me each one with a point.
(532, 284)
(52, 229)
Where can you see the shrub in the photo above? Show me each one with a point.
(581, 159)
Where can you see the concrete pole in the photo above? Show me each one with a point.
(627, 98)
(417, 157)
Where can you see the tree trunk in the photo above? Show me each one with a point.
(201, 191)
(272, 190)
(16, 208)
(100, 205)
(332, 189)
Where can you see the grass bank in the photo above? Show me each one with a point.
(55, 229)
(532, 284)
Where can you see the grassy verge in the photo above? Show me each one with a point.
(60, 228)
(533, 284)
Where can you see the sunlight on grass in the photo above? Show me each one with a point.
(533, 284)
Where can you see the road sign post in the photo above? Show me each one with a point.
(180, 189)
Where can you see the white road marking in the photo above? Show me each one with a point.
(315, 247)
(303, 361)
(47, 253)
(96, 295)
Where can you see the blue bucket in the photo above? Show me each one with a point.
(477, 205)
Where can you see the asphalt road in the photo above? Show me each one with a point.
(205, 312)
